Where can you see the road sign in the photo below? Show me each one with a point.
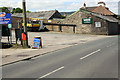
(37, 42)
(9, 26)
(5, 18)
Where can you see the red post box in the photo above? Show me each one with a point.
(23, 36)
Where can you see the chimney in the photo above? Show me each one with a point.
(101, 4)
(84, 6)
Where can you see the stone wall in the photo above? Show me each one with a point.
(53, 27)
(15, 22)
(76, 19)
(103, 30)
(49, 27)
(61, 28)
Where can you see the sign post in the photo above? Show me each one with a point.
(25, 24)
(10, 26)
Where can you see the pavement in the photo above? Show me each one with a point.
(52, 41)
(93, 59)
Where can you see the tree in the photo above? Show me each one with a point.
(13, 11)
(5, 9)
(28, 11)
(17, 10)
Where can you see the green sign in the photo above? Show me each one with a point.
(87, 21)
(9, 25)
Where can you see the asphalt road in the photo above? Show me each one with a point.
(96, 59)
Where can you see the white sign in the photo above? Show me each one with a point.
(97, 24)
(49, 21)
(87, 19)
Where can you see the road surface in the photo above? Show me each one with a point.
(96, 59)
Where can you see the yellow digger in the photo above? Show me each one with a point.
(34, 24)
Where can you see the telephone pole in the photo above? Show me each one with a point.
(25, 42)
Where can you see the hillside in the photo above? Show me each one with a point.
(67, 13)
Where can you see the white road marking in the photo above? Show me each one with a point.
(90, 54)
(52, 72)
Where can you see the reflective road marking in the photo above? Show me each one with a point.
(91, 54)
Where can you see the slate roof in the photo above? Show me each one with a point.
(103, 10)
(108, 18)
(90, 8)
(100, 10)
(41, 15)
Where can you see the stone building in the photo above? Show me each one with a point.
(15, 21)
(93, 20)
(46, 15)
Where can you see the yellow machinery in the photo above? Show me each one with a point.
(33, 24)
(36, 24)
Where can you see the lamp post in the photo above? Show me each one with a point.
(25, 42)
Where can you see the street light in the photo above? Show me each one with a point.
(25, 44)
